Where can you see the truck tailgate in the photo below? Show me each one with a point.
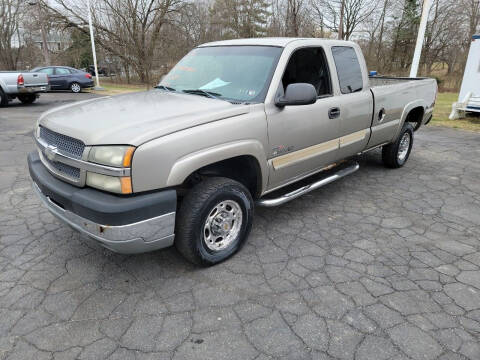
(35, 79)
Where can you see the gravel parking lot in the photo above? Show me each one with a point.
(384, 264)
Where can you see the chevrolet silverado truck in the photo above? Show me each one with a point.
(234, 125)
(25, 86)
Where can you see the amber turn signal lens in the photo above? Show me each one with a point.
(127, 159)
(126, 183)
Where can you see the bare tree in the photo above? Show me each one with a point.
(145, 37)
(344, 16)
(241, 18)
(293, 18)
(10, 37)
(129, 29)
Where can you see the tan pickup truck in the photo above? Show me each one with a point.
(234, 124)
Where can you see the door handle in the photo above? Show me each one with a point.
(334, 113)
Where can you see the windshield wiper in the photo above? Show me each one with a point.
(163, 87)
(210, 94)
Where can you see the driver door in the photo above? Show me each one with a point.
(303, 139)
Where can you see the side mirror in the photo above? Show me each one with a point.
(298, 94)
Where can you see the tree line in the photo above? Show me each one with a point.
(142, 39)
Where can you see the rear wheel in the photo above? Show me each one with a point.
(214, 221)
(3, 99)
(396, 154)
(75, 87)
(27, 98)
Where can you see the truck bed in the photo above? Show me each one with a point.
(395, 95)
(390, 80)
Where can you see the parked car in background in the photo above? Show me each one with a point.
(25, 86)
(66, 78)
(101, 71)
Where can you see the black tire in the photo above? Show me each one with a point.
(75, 88)
(3, 99)
(198, 205)
(391, 153)
(27, 99)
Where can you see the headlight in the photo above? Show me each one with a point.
(119, 185)
(118, 156)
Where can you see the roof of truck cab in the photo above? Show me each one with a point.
(272, 41)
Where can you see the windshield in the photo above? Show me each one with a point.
(238, 73)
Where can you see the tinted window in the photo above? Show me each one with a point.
(62, 71)
(348, 69)
(308, 65)
(48, 71)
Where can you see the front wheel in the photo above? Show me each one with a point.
(75, 88)
(396, 154)
(214, 221)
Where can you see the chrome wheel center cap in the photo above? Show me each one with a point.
(221, 224)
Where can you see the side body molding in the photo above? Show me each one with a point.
(194, 161)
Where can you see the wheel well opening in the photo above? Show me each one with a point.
(415, 115)
(244, 169)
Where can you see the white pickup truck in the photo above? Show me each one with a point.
(25, 86)
(234, 124)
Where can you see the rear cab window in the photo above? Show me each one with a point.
(348, 69)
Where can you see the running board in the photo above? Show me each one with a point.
(307, 188)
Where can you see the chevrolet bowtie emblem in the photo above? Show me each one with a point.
(50, 152)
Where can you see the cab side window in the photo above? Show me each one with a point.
(308, 65)
(62, 71)
(348, 69)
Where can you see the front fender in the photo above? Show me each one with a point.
(192, 162)
(168, 160)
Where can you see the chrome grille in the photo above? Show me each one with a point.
(64, 143)
(63, 169)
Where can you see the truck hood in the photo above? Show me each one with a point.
(133, 119)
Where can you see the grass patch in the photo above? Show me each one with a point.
(442, 110)
(112, 88)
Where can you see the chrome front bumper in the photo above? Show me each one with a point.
(126, 224)
(144, 236)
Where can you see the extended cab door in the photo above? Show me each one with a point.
(303, 139)
(354, 100)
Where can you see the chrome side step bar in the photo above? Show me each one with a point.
(307, 188)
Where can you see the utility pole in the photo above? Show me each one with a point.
(92, 40)
(340, 25)
(427, 4)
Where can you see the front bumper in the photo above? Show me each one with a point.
(128, 225)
